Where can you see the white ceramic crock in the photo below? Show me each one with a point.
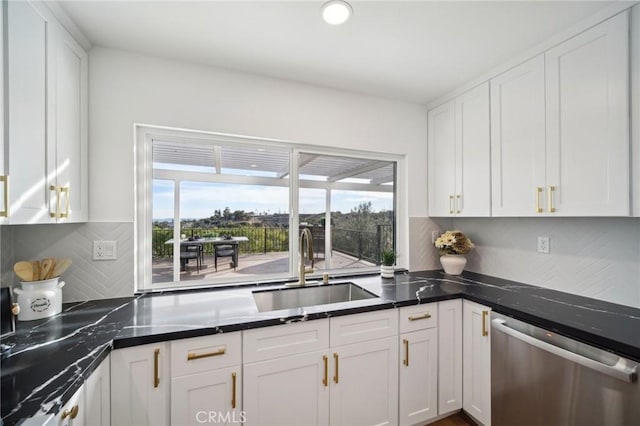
(39, 299)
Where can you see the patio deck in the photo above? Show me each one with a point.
(249, 265)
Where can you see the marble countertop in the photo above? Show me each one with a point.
(47, 360)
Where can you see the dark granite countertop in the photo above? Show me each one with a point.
(46, 361)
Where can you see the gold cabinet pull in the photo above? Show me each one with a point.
(5, 211)
(538, 193)
(406, 352)
(552, 189)
(420, 317)
(55, 214)
(485, 332)
(233, 390)
(336, 377)
(450, 204)
(72, 413)
(65, 190)
(325, 381)
(458, 202)
(156, 359)
(192, 355)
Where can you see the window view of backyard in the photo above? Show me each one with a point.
(231, 207)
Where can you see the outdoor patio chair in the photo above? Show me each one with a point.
(225, 250)
(188, 252)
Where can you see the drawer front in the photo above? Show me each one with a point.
(418, 317)
(284, 340)
(362, 327)
(199, 354)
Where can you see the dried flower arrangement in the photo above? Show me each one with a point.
(453, 242)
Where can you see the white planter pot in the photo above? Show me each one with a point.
(39, 299)
(386, 271)
(453, 264)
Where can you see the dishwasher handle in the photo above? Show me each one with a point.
(621, 370)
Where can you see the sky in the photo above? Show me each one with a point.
(199, 200)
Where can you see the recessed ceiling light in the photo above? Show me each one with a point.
(336, 12)
(254, 166)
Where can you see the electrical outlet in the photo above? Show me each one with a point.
(104, 250)
(543, 245)
(434, 236)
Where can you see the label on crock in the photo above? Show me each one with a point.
(40, 304)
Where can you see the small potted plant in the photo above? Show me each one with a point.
(453, 245)
(388, 260)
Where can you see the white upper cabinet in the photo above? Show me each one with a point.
(459, 159)
(587, 91)
(44, 160)
(518, 140)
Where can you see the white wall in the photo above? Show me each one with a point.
(127, 88)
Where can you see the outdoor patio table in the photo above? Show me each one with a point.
(234, 241)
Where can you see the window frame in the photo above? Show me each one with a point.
(144, 135)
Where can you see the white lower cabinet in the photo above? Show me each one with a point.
(289, 390)
(206, 380)
(91, 403)
(418, 363)
(364, 387)
(449, 356)
(476, 361)
(140, 385)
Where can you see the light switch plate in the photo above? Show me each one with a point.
(105, 250)
(543, 245)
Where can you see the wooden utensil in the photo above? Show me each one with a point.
(24, 270)
(47, 268)
(35, 266)
(61, 266)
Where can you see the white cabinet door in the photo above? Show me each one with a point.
(140, 385)
(364, 383)
(459, 156)
(98, 396)
(207, 397)
(477, 361)
(450, 356)
(418, 376)
(71, 154)
(287, 391)
(518, 140)
(72, 413)
(28, 38)
(441, 160)
(587, 90)
(473, 188)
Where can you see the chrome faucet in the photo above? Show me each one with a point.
(305, 237)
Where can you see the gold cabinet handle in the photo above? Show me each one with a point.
(485, 332)
(72, 413)
(192, 355)
(336, 377)
(233, 390)
(420, 317)
(5, 181)
(450, 204)
(552, 189)
(55, 214)
(156, 359)
(538, 193)
(406, 352)
(458, 202)
(65, 190)
(325, 381)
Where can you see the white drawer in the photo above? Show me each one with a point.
(189, 356)
(418, 317)
(284, 340)
(361, 327)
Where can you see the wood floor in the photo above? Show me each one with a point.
(457, 419)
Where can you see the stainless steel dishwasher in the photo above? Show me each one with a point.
(541, 378)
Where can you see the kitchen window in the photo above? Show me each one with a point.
(216, 208)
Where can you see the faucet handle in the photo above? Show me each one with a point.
(309, 271)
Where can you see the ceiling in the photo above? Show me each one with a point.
(408, 50)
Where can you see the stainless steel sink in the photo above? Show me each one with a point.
(287, 298)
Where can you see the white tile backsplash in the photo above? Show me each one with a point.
(593, 257)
